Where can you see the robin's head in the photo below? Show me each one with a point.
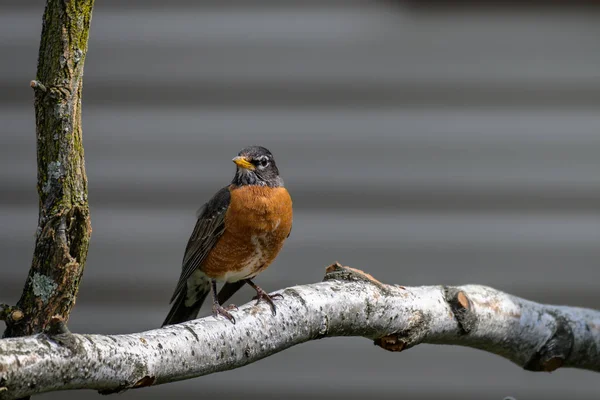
(256, 166)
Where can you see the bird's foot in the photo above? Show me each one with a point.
(262, 295)
(224, 311)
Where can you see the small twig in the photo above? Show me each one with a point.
(37, 85)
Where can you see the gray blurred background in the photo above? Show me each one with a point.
(424, 144)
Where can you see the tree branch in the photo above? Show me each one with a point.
(348, 303)
(64, 228)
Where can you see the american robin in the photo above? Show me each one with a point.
(238, 234)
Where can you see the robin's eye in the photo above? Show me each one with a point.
(264, 162)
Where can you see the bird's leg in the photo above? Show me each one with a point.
(262, 295)
(217, 309)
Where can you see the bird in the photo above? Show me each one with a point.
(238, 234)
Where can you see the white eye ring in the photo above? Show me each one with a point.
(263, 162)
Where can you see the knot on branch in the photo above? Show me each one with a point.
(462, 308)
(553, 353)
(55, 91)
(57, 326)
(144, 381)
(58, 332)
(390, 343)
(10, 314)
(37, 85)
(418, 326)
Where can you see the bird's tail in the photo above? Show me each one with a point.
(186, 307)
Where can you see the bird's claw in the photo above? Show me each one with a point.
(224, 311)
(262, 295)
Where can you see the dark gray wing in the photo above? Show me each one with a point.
(209, 228)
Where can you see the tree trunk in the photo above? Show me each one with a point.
(64, 229)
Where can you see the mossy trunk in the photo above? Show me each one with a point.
(64, 228)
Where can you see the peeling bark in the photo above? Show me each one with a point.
(347, 303)
(64, 228)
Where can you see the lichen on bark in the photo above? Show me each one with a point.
(64, 229)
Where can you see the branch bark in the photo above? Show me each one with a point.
(347, 303)
(64, 228)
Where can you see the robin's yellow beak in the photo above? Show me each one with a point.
(243, 162)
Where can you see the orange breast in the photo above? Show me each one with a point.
(257, 222)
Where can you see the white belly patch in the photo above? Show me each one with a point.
(253, 263)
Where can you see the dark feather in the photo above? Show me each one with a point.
(180, 312)
(209, 228)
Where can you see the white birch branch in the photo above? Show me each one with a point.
(347, 303)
